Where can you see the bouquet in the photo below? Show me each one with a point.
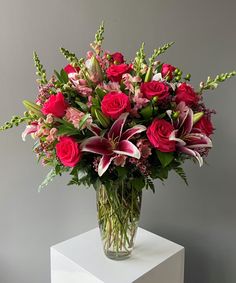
(117, 126)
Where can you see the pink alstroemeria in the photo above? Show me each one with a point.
(188, 140)
(114, 143)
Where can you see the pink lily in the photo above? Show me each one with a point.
(30, 129)
(114, 143)
(189, 140)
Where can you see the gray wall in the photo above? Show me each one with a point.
(202, 216)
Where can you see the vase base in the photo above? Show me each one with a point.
(117, 255)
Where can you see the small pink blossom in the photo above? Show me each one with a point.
(120, 160)
(80, 85)
(52, 135)
(74, 116)
(49, 119)
(144, 147)
(111, 86)
(130, 81)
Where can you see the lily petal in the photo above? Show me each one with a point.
(30, 129)
(97, 145)
(94, 129)
(104, 163)
(128, 148)
(131, 132)
(187, 124)
(193, 153)
(117, 127)
(197, 140)
(173, 137)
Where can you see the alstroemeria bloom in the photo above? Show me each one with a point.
(114, 143)
(188, 140)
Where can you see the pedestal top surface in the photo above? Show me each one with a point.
(86, 251)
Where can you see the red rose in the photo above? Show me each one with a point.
(155, 88)
(68, 151)
(205, 126)
(187, 94)
(70, 69)
(115, 72)
(167, 70)
(114, 104)
(55, 105)
(158, 134)
(117, 57)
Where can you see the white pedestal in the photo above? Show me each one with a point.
(81, 260)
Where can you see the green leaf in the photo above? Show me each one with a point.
(83, 120)
(165, 157)
(147, 111)
(82, 105)
(50, 176)
(122, 172)
(181, 173)
(103, 120)
(100, 92)
(150, 185)
(64, 76)
(138, 183)
(33, 107)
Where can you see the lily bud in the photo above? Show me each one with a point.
(33, 108)
(197, 117)
(148, 76)
(94, 69)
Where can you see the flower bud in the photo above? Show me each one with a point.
(197, 117)
(94, 69)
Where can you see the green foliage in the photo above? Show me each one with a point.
(15, 121)
(147, 112)
(62, 77)
(139, 60)
(181, 173)
(150, 185)
(40, 70)
(165, 157)
(33, 108)
(102, 119)
(71, 57)
(213, 83)
(159, 51)
(49, 177)
(99, 35)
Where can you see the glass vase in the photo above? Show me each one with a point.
(118, 216)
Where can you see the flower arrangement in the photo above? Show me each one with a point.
(110, 122)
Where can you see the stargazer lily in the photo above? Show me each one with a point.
(115, 142)
(189, 140)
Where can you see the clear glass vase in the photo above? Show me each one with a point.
(118, 216)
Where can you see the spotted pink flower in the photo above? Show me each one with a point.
(114, 143)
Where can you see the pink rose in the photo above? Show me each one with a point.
(187, 94)
(158, 134)
(117, 57)
(205, 126)
(114, 104)
(167, 70)
(155, 88)
(70, 69)
(55, 105)
(115, 72)
(68, 151)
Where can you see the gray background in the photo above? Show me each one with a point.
(201, 217)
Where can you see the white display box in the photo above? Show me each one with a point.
(81, 260)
